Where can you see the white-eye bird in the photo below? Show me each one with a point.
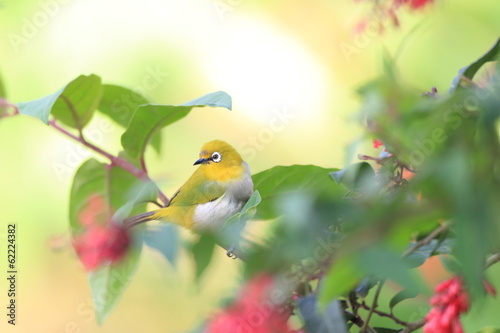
(217, 189)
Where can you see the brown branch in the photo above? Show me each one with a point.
(115, 161)
(5, 103)
(374, 305)
(384, 314)
(414, 326)
(358, 321)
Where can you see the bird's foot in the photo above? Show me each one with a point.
(230, 253)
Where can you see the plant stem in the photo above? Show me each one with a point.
(115, 161)
(374, 305)
(492, 260)
(356, 320)
(384, 314)
(414, 326)
(7, 104)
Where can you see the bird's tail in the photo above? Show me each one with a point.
(129, 222)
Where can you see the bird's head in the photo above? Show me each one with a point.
(220, 160)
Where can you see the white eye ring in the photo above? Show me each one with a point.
(216, 157)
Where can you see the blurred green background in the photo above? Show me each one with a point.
(292, 82)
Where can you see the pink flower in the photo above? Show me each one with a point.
(416, 4)
(450, 300)
(101, 241)
(377, 143)
(253, 311)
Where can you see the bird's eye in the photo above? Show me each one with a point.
(216, 157)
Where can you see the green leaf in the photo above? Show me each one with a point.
(365, 285)
(218, 99)
(451, 264)
(380, 261)
(73, 105)
(40, 108)
(278, 181)
(120, 103)
(401, 296)
(202, 251)
(117, 187)
(247, 212)
(420, 255)
(149, 119)
(107, 284)
(341, 278)
(356, 177)
(164, 238)
(471, 70)
(233, 225)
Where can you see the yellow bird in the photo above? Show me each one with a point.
(219, 188)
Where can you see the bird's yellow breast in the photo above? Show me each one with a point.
(222, 173)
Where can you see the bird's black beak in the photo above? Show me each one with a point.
(202, 161)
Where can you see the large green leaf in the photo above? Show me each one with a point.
(420, 255)
(471, 70)
(377, 260)
(236, 223)
(119, 103)
(381, 261)
(202, 252)
(165, 239)
(149, 119)
(107, 284)
(117, 187)
(401, 296)
(279, 181)
(357, 177)
(40, 108)
(73, 105)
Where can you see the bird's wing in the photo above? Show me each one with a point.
(197, 191)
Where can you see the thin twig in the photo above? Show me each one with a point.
(374, 305)
(115, 161)
(492, 260)
(7, 104)
(358, 321)
(425, 241)
(143, 164)
(414, 326)
(384, 314)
